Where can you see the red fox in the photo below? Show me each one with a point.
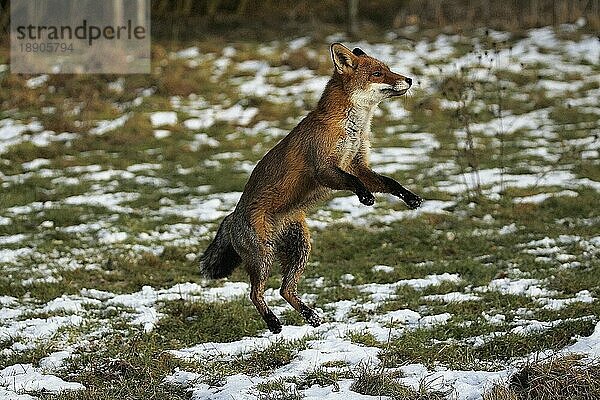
(328, 150)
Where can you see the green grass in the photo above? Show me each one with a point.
(188, 323)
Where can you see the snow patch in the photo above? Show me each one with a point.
(385, 291)
(26, 378)
(161, 118)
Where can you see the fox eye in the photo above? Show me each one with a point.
(377, 73)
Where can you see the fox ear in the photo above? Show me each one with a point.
(358, 52)
(344, 60)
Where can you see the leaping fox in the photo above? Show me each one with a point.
(328, 150)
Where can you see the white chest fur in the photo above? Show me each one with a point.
(357, 129)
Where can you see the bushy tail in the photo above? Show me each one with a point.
(220, 259)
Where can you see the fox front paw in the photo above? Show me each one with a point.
(366, 198)
(412, 200)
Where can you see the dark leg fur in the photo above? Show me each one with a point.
(335, 178)
(292, 252)
(257, 295)
(411, 199)
(384, 184)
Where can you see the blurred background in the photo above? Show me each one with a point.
(255, 19)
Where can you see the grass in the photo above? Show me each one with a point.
(30, 356)
(566, 377)
(376, 381)
(116, 360)
(187, 323)
(280, 353)
(123, 367)
(278, 390)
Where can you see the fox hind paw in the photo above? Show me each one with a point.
(314, 320)
(311, 317)
(273, 323)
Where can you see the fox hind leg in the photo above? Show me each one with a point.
(259, 273)
(257, 256)
(292, 253)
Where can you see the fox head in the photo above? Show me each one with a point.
(366, 79)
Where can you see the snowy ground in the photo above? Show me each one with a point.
(105, 204)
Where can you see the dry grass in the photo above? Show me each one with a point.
(559, 378)
(378, 381)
